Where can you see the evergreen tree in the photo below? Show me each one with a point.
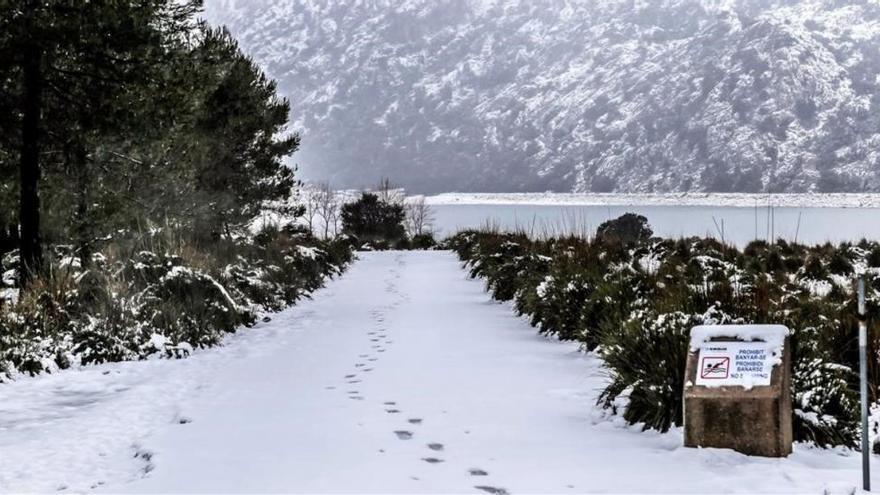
(73, 63)
(370, 219)
(238, 154)
(129, 113)
(626, 229)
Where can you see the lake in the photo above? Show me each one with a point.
(739, 224)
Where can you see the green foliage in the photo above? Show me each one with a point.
(235, 155)
(653, 393)
(627, 229)
(149, 117)
(423, 241)
(621, 298)
(117, 118)
(140, 300)
(375, 222)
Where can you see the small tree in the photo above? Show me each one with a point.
(310, 205)
(370, 219)
(389, 192)
(626, 229)
(327, 207)
(419, 217)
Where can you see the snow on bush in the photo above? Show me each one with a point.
(155, 303)
(635, 303)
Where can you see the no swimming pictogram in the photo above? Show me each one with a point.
(715, 368)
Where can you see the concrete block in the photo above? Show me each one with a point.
(738, 389)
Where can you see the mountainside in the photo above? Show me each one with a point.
(576, 95)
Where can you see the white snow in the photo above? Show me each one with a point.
(8, 294)
(276, 410)
(774, 335)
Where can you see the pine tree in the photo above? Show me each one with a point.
(74, 64)
(238, 164)
(126, 114)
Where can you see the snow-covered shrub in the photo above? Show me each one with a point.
(110, 335)
(645, 358)
(143, 300)
(825, 404)
(638, 301)
(628, 228)
(566, 302)
(9, 269)
(496, 260)
(424, 240)
(824, 376)
(31, 329)
(185, 304)
(250, 282)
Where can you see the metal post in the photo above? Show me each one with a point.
(863, 379)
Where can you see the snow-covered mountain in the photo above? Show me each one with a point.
(576, 95)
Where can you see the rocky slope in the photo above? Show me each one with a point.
(576, 95)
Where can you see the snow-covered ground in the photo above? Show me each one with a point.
(401, 376)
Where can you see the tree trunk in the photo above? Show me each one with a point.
(84, 234)
(31, 249)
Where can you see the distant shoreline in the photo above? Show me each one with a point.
(739, 200)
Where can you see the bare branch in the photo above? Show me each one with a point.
(419, 217)
(328, 206)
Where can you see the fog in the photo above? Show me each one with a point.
(602, 96)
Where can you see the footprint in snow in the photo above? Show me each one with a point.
(435, 446)
(147, 457)
(415, 421)
(403, 434)
(372, 359)
(491, 489)
(359, 365)
(350, 376)
(477, 472)
(392, 411)
(390, 403)
(432, 460)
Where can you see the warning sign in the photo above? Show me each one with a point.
(714, 368)
(745, 364)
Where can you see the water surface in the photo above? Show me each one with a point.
(738, 225)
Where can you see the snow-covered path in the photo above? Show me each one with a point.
(401, 376)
